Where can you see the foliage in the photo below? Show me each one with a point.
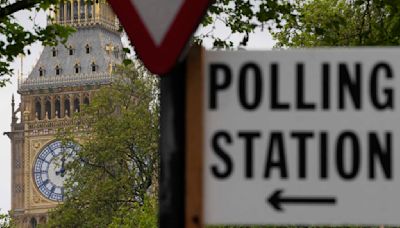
(113, 173)
(299, 226)
(242, 17)
(14, 37)
(341, 23)
(144, 216)
(6, 221)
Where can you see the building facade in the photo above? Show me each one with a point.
(62, 81)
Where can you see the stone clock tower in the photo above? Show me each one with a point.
(63, 79)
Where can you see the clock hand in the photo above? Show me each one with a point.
(62, 170)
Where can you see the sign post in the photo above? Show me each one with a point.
(181, 190)
(300, 137)
(194, 146)
(172, 148)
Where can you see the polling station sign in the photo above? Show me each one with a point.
(301, 136)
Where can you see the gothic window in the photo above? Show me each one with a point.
(77, 68)
(82, 10)
(71, 50)
(94, 10)
(38, 110)
(75, 10)
(54, 52)
(61, 11)
(41, 72)
(67, 106)
(94, 67)
(87, 48)
(18, 188)
(89, 9)
(58, 70)
(17, 164)
(48, 109)
(57, 105)
(68, 10)
(116, 53)
(33, 223)
(77, 105)
(86, 101)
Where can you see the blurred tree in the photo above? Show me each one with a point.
(242, 17)
(340, 23)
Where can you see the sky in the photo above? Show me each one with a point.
(5, 109)
(258, 41)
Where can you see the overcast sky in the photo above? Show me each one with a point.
(5, 111)
(258, 41)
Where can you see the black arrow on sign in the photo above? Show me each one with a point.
(276, 200)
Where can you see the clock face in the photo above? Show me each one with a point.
(49, 169)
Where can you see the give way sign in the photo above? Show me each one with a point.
(159, 29)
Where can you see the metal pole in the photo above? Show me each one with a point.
(172, 148)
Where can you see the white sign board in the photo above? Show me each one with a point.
(302, 137)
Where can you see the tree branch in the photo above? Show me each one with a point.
(17, 6)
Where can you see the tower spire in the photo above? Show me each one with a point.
(13, 103)
(13, 113)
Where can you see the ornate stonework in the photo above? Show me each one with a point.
(62, 81)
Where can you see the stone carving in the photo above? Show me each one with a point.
(36, 145)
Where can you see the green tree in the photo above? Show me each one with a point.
(144, 215)
(14, 37)
(340, 23)
(6, 221)
(114, 172)
(242, 17)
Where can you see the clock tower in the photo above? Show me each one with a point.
(63, 79)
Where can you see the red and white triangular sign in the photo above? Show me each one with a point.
(159, 29)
